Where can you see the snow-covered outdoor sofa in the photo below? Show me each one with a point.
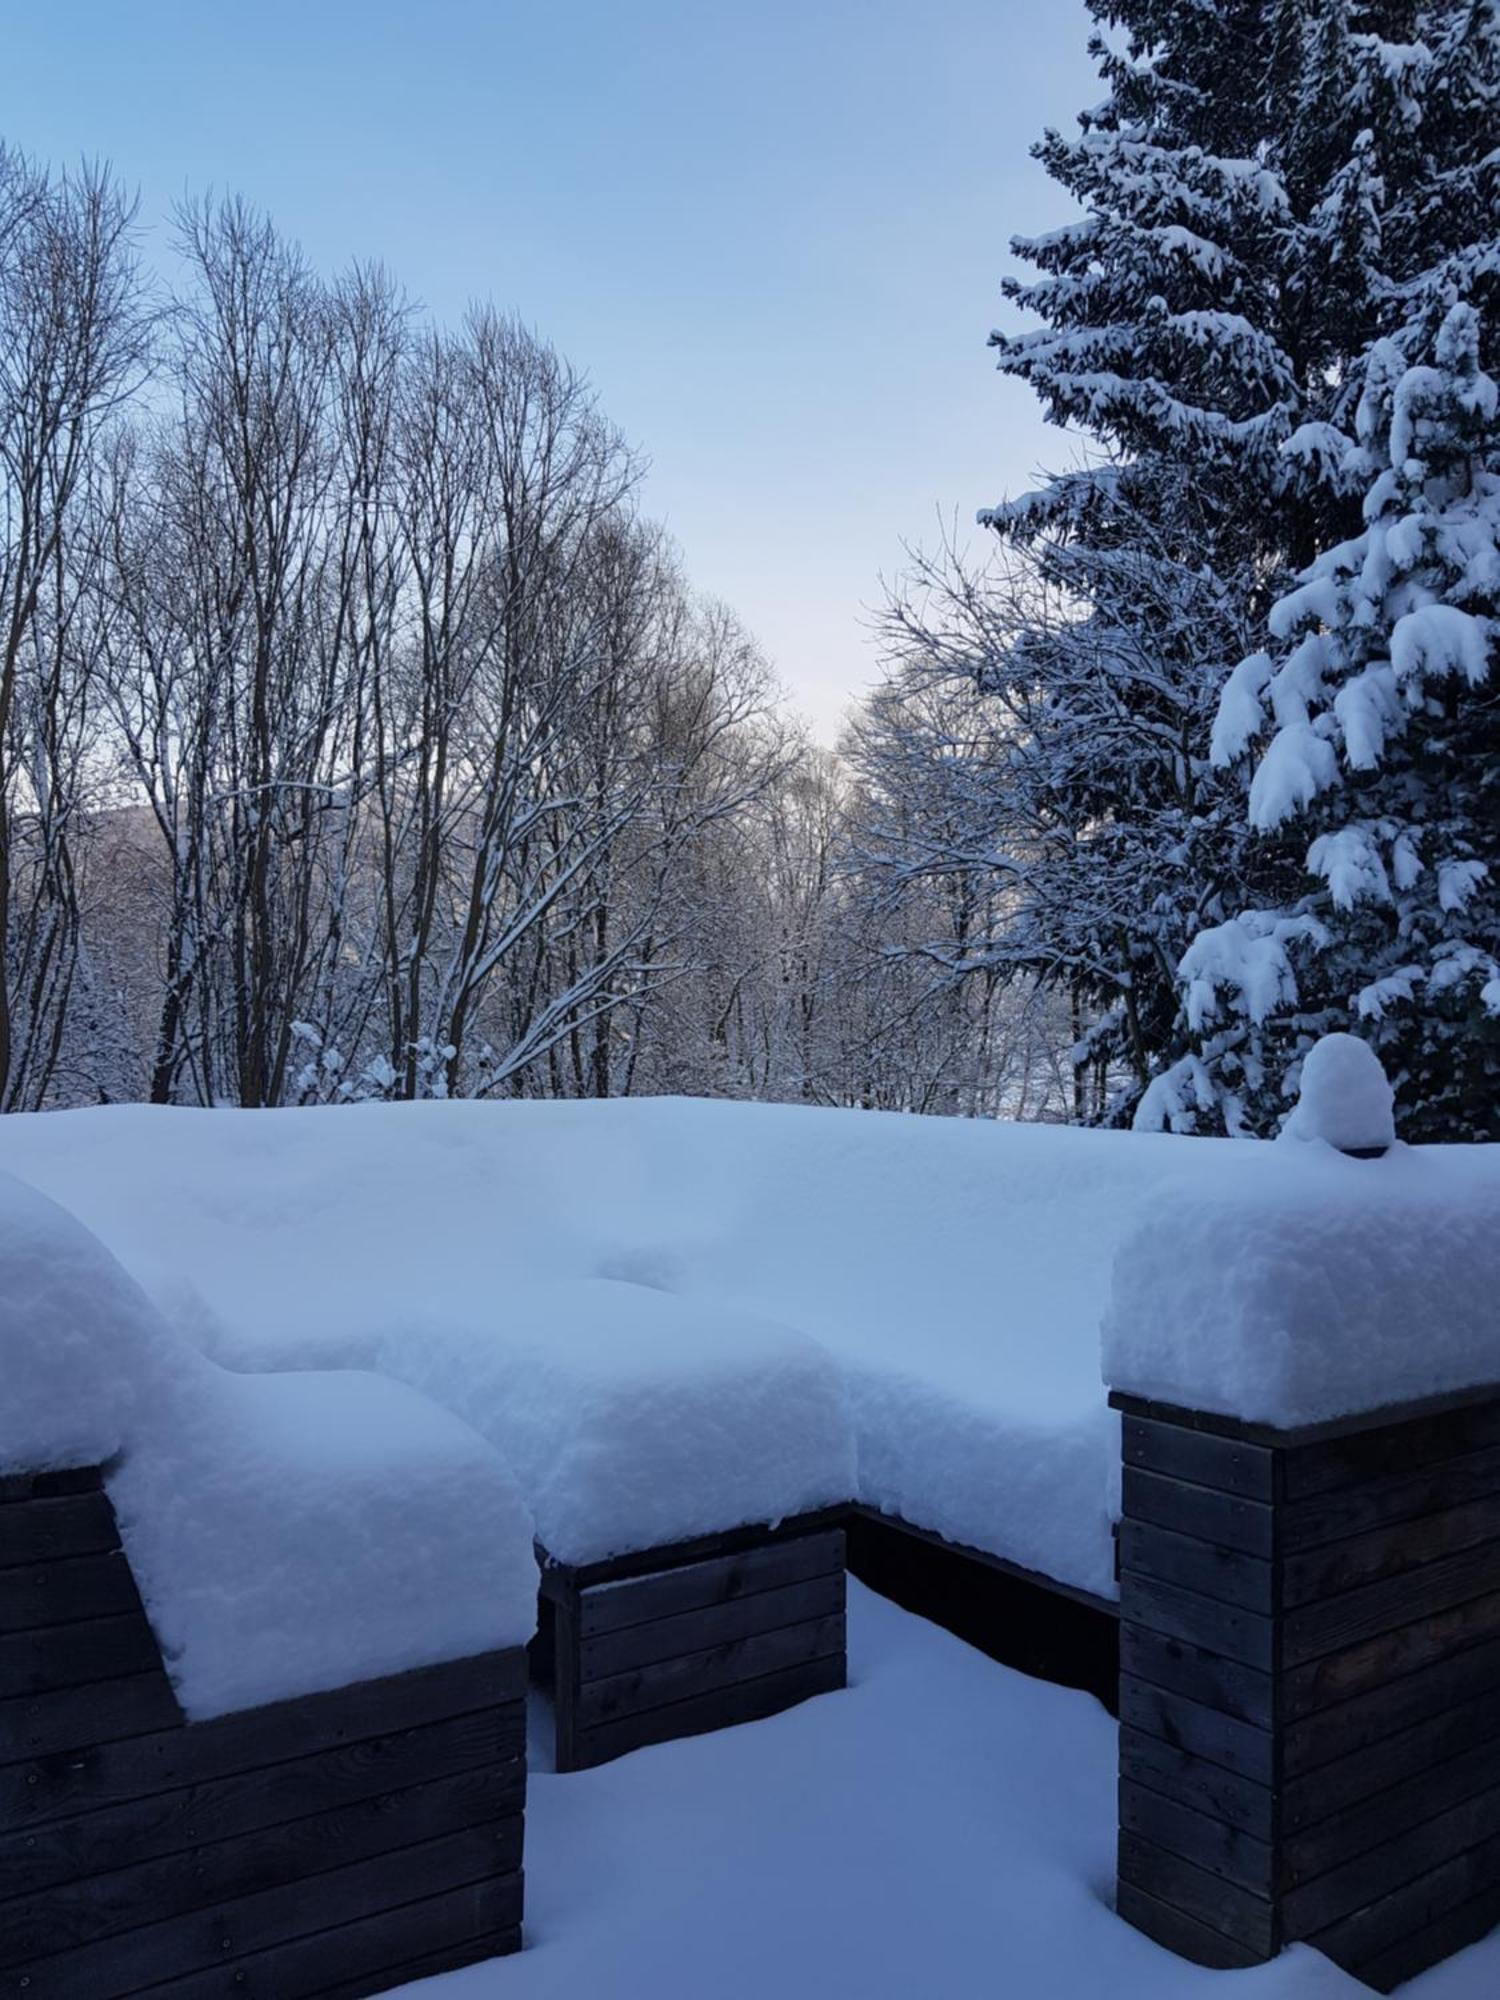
(262, 1659)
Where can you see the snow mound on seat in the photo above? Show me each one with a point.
(77, 1337)
(632, 1418)
(1313, 1288)
(289, 1533)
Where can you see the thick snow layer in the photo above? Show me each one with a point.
(631, 1418)
(288, 1532)
(956, 1271)
(944, 1828)
(1345, 1097)
(1312, 1286)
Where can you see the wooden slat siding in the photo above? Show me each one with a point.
(1194, 1782)
(1450, 1584)
(1392, 1919)
(1222, 1519)
(364, 1958)
(1363, 1815)
(1237, 1747)
(170, 1758)
(68, 1916)
(1408, 1495)
(1329, 1790)
(16, 1486)
(1398, 1447)
(1223, 1850)
(691, 1632)
(36, 1531)
(645, 1656)
(1201, 1458)
(746, 1701)
(1201, 1621)
(677, 1555)
(1390, 1551)
(674, 1680)
(1383, 1871)
(1374, 1722)
(44, 1660)
(59, 1593)
(1249, 1920)
(608, 1607)
(1182, 1934)
(1376, 1663)
(1242, 1692)
(1452, 1932)
(123, 1965)
(1227, 1575)
(1358, 1829)
(170, 1823)
(79, 1719)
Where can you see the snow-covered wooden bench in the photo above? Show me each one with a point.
(686, 1468)
(262, 1661)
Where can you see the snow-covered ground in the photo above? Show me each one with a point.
(944, 1830)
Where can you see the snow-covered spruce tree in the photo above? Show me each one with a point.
(1377, 724)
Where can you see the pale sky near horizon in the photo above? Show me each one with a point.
(773, 236)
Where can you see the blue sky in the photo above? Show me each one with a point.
(773, 235)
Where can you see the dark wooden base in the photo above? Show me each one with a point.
(1014, 1615)
(1310, 1691)
(319, 1849)
(672, 1642)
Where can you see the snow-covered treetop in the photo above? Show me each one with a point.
(1346, 1098)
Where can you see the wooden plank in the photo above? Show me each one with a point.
(1407, 1494)
(1396, 1601)
(1228, 1575)
(607, 1607)
(1192, 1781)
(1375, 1719)
(562, 1618)
(1239, 1691)
(1393, 1448)
(678, 1679)
(121, 1965)
(1223, 1906)
(372, 1955)
(1201, 1732)
(79, 1719)
(59, 1593)
(746, 1701)
(387, 1979)
(21, 1486)
(633, 1646)
(1391, 1758)
(1200, 1457)
(1390, 1550)
(676, 1555)
(112, 1772)
(64, 1656)
(1400, 1914)
(1454, 1931)
(1199, 1943)
(1340, 1836)
(93, 1843)
(1203, 1621)
(1223, 1518)
(1202, 1838)
(1408, 1854)
(1374, 1663)
(223, 1870)
(37, 1531)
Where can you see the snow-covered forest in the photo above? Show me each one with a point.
(363, 737)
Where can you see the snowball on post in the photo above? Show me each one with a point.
(1345, 1099)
